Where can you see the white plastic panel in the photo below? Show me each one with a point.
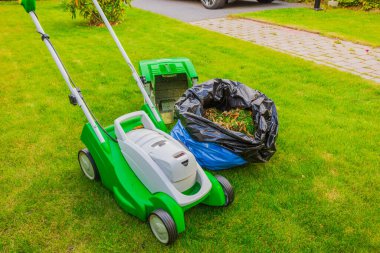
(137, 150)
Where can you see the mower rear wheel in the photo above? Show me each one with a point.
(87, 164)
(163, 226)
(227, 189)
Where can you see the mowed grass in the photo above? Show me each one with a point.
(320, 191)
(354, 25)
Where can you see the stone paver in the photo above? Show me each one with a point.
(343, 55)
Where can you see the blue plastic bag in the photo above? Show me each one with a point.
(209, 155)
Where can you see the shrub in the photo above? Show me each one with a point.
(113, 9)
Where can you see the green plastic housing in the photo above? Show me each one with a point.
(132, 196)
(29, 5)
(165, 80)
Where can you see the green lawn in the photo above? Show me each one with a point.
(357, 26)
(320, 192)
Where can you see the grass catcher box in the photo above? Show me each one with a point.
(165, 80)
(226, 95)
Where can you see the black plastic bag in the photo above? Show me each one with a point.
(224, 95)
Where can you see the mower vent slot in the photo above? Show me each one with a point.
(158, 143)
(179, 154)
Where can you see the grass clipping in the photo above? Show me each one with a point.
(238, 120)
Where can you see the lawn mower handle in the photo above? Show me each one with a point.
(128, 61)
(29, 5)
(145, 120)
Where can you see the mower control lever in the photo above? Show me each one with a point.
(73, 100)
(143, 79)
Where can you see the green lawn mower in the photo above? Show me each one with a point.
(153, 176)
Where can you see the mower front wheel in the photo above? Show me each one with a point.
(227, 189)
(87, 164)
(163, 226)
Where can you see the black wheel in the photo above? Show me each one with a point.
(265, 1)
(163, 226)
(87, 164)
(227, 188)
(213, 4)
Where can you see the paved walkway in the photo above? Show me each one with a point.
(343, 55)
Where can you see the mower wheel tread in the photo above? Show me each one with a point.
(89, 156)
(169, 223)
(227, 188)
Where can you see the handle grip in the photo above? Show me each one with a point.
(29, 5)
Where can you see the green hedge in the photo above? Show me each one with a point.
(348, 3)
(365, 4)
(370, 4)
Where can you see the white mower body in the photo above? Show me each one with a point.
(161, 162)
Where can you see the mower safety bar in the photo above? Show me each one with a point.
(29, 5)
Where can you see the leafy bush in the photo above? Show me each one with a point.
(113, 9)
